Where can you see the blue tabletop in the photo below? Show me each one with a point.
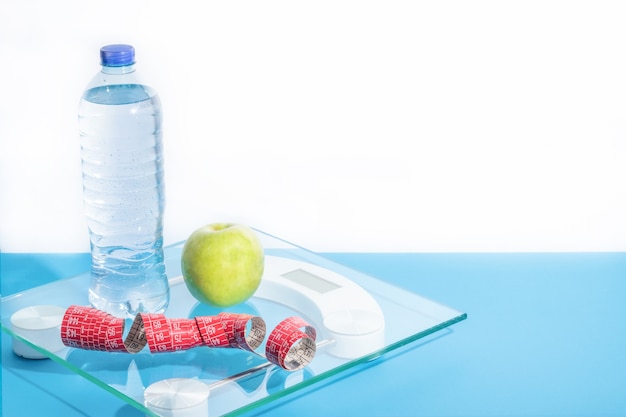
(545, 336)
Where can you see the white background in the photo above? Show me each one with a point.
(337, 125)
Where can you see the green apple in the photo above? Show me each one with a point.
(222, 263)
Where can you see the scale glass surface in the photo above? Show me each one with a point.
(358, 318)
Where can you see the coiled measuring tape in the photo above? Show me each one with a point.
(290, 345)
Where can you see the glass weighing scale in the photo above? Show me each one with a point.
(357, 317)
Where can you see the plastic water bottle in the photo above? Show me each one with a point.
(123, 190)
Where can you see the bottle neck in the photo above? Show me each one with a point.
(127, 69)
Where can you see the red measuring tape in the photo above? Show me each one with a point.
(291, 345)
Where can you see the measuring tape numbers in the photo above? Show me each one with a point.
(290, 345)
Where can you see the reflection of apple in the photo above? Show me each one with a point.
(222, 264)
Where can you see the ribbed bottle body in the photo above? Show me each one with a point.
(124, 197)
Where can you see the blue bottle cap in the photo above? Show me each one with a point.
(117, 55)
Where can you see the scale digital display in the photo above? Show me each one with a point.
(313, 282)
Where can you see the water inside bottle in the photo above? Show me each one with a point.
(123, 191)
